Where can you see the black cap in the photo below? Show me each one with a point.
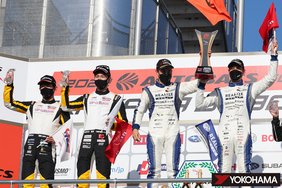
(236, 62)
(104, 69)
(47, 79)
(163, 63)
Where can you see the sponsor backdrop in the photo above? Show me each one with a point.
(130, 75)
(10, 147)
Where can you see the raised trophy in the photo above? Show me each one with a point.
(65, 78)
(9, 79)
(204, 70)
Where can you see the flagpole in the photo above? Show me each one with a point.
(240, 24)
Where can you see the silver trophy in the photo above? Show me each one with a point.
(65, 78)
(9, 79)
(204, 70)
(273, 108)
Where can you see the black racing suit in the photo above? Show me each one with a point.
(44, 118)
(96, 107)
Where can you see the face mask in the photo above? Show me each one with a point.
(235, 75)
(47, 93)
(165, 78)
(101, 84)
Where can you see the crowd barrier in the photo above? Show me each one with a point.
(113, 182)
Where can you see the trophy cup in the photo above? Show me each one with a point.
(9, 79)
(65, 78)
(204, 70)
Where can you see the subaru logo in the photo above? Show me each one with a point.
(194, 138)
(254, 166)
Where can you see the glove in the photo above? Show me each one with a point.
(9, 79)
(65, 78)
(274, 47)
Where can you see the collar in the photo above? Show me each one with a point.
(104, 92)
(233, 84)
(159, 84)
(48, 102)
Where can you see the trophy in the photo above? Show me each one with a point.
(9, 79)
(65, 78)
(273, 108)
(204, 70)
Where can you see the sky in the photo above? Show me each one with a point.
(254, 14)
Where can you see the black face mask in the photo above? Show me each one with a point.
(47, 93)
(101, 84)
(235, 75)
(165, 78)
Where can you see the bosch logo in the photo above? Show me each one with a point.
(254, 166)
(127, 81)
(194, 138)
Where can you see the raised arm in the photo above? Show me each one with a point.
(67, 105)
(203, 101)
(269, 79)
(186, 88)
(9, 102)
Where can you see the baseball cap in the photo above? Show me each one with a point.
(163, 63)
(236, 62)
(47, 79)
(104, 69)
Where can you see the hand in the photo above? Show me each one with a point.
(274, 109)
(136, 135)
(65, 78)
(274, 47)
(50, 139)
(9, 79)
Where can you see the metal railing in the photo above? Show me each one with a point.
(110, 181)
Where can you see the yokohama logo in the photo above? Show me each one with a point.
(133, 81)
(240, 179)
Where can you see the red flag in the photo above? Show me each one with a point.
(269, 23)
(213, 10)
(122, 134)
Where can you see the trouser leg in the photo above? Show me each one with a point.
(103, 165)
(172, 151)
(47, 163)
(28, 164)
(226, 152)
(154, 150)
(244, 154)
(84, 158)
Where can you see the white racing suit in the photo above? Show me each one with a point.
(164, 104)
(235, 103)
(96, 106)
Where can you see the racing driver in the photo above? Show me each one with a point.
(163, 99)
(97, 106)
(44, 118)
(235, 103)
